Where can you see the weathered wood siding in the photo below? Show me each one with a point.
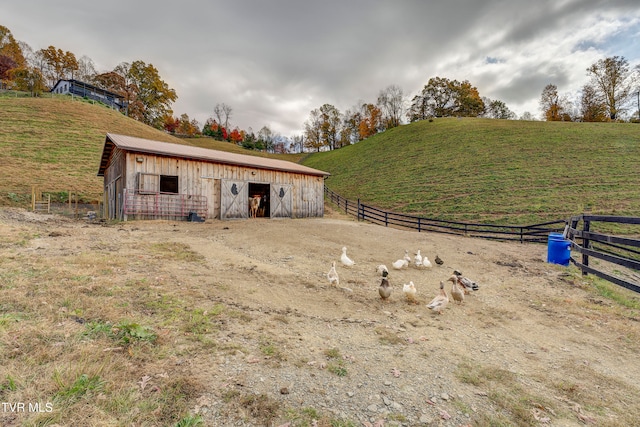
(234, 198)
(304, 194)
(114, 179)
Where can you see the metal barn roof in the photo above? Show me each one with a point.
(148, 146)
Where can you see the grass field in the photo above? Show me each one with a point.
(56, 143)
(493, 171)
(472, 170)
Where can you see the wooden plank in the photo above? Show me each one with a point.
(610, 218)
(281, 201)
(625, 262)
(620, 282)
(234, 199)
(599, 237)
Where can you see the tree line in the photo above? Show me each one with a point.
(608, 96)
(328, 128)
(148, 99)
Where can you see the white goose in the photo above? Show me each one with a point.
(409, 290)
(332, 275)
(426, 263)
(345, 259)
(400, 264)
(418, 259)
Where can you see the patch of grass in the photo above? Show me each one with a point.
(175, 396)
(176, 251)
(505, 392)
(198, 322)
(8, 384)
(271, 350)
(240, 315)
(125, 332)
(9, 318)
(338, 369)
(386, 336)
(615, 293)
(261, 407)
(83, 385)
(190, 421)
(332, 353)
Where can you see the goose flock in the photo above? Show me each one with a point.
(460, 285)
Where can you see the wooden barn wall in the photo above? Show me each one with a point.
(114, 183)
(203, 178)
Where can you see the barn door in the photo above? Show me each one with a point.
(234, 199)
(281, 201)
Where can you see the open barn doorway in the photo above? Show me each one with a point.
(262, 191)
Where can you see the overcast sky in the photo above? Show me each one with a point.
(274, 61)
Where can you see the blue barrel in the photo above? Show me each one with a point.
(558, 249)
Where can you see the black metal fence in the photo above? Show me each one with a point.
(522, 233)
(620, 253)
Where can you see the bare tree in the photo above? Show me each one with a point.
(86, 69)
(391, 102)
(223, 114)
(297, 143)
(614, 81)
(527, 116)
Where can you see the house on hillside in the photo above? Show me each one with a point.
(146, 179)
(78, 88)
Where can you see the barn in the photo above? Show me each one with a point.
(146, 179)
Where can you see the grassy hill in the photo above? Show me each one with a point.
(480, 170)
(495, 171)
(56, 143)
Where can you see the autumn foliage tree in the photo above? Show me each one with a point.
(592, 107)
(147, 96)
(57, 64)
(11, 56)
(442, 97)
(370, 120)
(554, 108)
(10, 47)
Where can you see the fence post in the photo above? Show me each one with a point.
(346, 206)
(585, 245)
(418, 224)
(521, 235)
(358, 208)
(386, 218)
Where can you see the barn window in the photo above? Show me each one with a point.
(168, 184)
(148, 183)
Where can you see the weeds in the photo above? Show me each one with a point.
(82, 386)
(126, 333)
(190, 421)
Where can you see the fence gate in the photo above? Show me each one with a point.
(281, 201)
(234, 199)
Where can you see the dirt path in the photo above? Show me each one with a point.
(533, 330)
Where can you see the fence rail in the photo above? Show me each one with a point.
(522, 233)
(164, 205)
(617, 250)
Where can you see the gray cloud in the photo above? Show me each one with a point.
(275, 61)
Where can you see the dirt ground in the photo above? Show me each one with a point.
(533, 346)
